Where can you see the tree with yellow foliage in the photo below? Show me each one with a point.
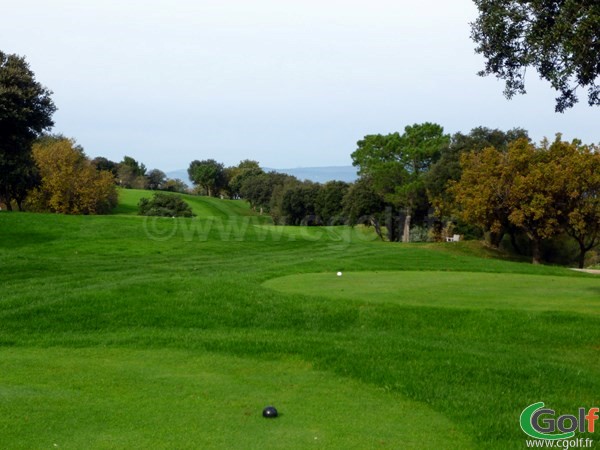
(542, 191)
(70, 183)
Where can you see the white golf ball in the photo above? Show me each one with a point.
(339, 274)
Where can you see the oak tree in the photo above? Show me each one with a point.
(559, 39)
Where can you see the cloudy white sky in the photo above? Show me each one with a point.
(290, 83)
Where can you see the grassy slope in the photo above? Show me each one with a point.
(103, 285)
(201, 206)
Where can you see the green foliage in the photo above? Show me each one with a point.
(174, 185)
(560, 40)
(328, 204)
(26, 110)
(156, 179)
(164, 205)
(106, 164)
(420, 234)
(131, 174)
(259, 188)
(363, 205)
(298, 204)
(137, 169)
(237, 175)
(209, 175)
(397, 164)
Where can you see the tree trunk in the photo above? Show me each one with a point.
(375, 224)
(406, 232)
(496, 238)
(391, 225)
(513, 242)
(536, 251)
(582, 251)
(8, 205)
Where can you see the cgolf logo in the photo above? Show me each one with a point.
(540, 423)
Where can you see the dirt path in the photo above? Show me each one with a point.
(594, 271)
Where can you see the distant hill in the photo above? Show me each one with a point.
(322, 174)
(181, 174)
(316, 174)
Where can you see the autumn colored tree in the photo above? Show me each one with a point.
(481, 194)
(541, 191)
(577, 167)
(534, 193)
(447, 167)
(70, 183)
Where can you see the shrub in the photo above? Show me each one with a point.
(165, 205)
(420, 234)
(70, 183)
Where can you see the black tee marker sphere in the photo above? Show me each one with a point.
(270, 412)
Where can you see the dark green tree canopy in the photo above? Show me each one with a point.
(138, 169)
(208, 174)
(298, 205)
(397, 164)
(238, 174)
(26, 110)
(156, 179)
(103, 163)
(25, 105)
(558, 38)
(328, 204)
(165, 205)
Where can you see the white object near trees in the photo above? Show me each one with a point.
(454, 238)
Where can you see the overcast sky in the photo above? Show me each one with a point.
(288, 83)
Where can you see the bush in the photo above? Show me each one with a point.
(70, 183)
(420, 234)
(164, 205)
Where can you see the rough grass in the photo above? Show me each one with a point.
(157, 317)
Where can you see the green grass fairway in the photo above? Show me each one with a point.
(127, 332)
(201, 206)
(119, 398)
(451, 289)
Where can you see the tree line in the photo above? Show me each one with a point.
(543, 200)
(418, 184)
